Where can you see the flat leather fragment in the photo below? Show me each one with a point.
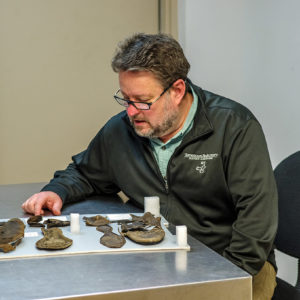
(95, 220)
(35, 221)
(53, 240)
(132, 226)
(145, 230)
(147, 219)
(146, 237)
(11, 234)
(104, 228)
(56, 223)
(110, 239)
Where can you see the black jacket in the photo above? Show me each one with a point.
(220, 181)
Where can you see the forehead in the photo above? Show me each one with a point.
(138, 82)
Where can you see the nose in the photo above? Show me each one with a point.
(132, 111)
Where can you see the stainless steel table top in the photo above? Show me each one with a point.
(164, 275)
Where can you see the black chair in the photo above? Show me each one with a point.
(287, 175)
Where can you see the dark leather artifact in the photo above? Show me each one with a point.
(53, 240)
(145, 230)
(104, 228)
(95, 221)
(34, 221)
(147, 219)
(11, 234)
(56, 223)
(132, 226)
(139, 232)
(146, 237)
(110, 239)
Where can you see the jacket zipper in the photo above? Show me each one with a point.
(165, 181)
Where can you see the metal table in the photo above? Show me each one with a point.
(198, 274)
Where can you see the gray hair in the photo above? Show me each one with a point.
(157, 53)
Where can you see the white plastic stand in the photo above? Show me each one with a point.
(75, 224)
(151, 204)
(181, 235)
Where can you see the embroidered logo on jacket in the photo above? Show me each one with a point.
(203, 160)
(202, 167)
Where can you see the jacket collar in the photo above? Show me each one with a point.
(202, 124)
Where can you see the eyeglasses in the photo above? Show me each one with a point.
(136, 104)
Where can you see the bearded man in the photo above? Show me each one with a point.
(204, 155)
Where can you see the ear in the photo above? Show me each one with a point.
(178, 90)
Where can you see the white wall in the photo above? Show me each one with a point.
(250, 51)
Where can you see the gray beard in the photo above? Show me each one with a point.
(166, 126)
(161, 130)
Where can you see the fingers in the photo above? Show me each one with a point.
(33, 205)
(55, 207)
(36, 203)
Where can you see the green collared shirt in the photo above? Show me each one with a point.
(163, 151)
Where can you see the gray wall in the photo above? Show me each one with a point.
(250, 51)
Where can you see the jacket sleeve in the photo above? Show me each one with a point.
(88, 174)
(252, 185)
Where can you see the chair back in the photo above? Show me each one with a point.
(287, 175)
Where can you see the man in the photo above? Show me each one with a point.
(205, 156)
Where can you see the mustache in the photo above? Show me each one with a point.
(135, 118)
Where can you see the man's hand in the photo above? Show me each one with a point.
(35, 204)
